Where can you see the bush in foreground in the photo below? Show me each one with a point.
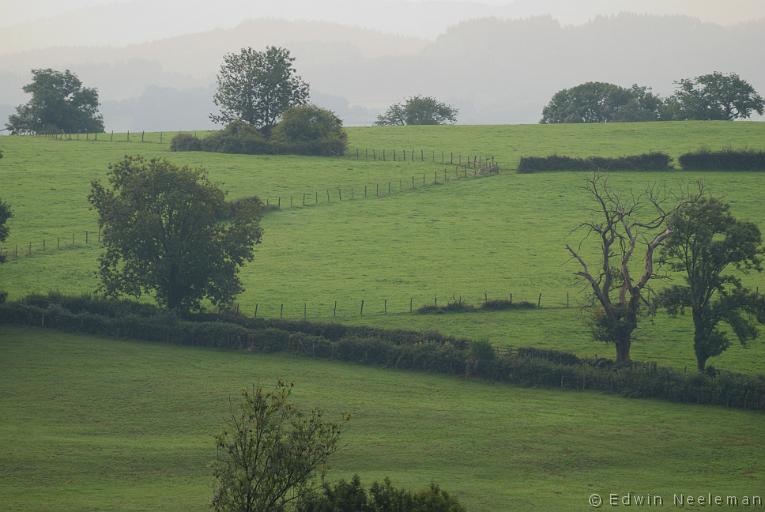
(644, 162)
(381, 497)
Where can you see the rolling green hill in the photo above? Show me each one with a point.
(98, 424)
(470, 238)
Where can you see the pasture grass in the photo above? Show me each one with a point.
(470, 238)
(95, 424)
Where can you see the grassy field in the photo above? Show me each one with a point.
(96, 424)
(495, 235)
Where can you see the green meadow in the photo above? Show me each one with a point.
(99, 424)
(469, 237)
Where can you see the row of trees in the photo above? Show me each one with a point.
(697, 237)
(253, 87)
(714, 96)
(258, 87)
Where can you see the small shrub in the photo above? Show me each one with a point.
(309, 130)
(725, 160)
(504, 305)
(237, 137)
(185, 142)
(644, 162)
(453, 306)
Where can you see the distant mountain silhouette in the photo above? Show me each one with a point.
(494, 70)
(134, 21)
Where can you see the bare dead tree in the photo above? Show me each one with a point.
(620, 233)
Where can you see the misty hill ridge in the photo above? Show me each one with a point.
(495, 71)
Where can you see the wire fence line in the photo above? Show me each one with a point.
(382, 307)
(466, 160)
(377, 190)
(327, 196)
(77, 239)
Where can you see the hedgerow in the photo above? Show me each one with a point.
(643, 162)
(424, 351)
(725, 160)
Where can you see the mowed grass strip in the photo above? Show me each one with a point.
(96, 424)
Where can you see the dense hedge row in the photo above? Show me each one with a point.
(303, 130)
(644, 162)
(396, 349)
(726, 160)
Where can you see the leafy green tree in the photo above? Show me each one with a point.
(257, 87)
(169, 231)
(269, 452)
(418, 110)
(715, 96)
(599, 102)
(59, 103)
(308, 129)
(706, 241)
(621, 228)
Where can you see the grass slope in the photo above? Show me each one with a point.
(96, 424)
(495, 235)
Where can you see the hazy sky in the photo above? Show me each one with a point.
(13, 12)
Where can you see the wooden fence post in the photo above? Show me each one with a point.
(281, 311)
(256, 311)
(361, 311)
(385, 310)
(539, 302)
(334, 310)
(411, 304)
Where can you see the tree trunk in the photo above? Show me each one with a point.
(699, 347)
(623, 350)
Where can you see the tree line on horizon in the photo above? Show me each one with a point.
(711, 97)
(258, 87)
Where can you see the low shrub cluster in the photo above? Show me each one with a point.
(725, 160)
(644, 162)
(304, 130)
(459, 306)
(381, 497)
(425, 351)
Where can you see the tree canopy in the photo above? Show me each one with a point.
(599, 102)
(269, 452)
(257, 87)
(621, 228)
(169, 231)
(706, 242)
(418, 110)
(715, 96)
(59, 103)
